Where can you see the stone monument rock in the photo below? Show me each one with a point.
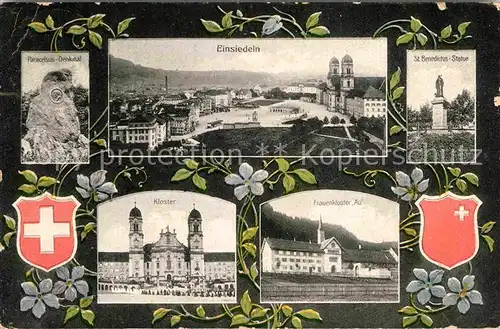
(54, 134)
(439, 113)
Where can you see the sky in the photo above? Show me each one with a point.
(421, 84)
(219, 220)
(32, 73)
(375, 220)
(311, 56)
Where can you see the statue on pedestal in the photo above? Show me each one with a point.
(439, 86)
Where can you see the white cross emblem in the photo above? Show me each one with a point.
(47, 230)
(461, 213)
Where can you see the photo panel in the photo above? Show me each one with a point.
(206, 97)
(330, 246)
(162, 247)
(441, 106)
(55, 107)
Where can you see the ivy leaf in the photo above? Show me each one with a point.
(200, 311)
(87, 229)
(86, 301)
(296, 322)
(405, 38)
(462, 28)
(410, 231)
(320, 31)
(191, 164)
(239, 13)
(489, 241)
(11, 223)
(455, 171)
(395, 130)
(395, 78)
(101, 142)
(46, 181)
(159, 314)
(246, 303)
(88, 316)
(249, 233)
(305, 175)
(397, 92)
(27, 188)
(38, 27)
(29, 175)
(472, 178)
(211, 26)
(95, 20)
(461, 185)
(49, 21)
(408, 310)
(446, 32)
(426, 320)
(96, 39)
(313, 20)
(174, 320)
(283, 165)
(226, 20)
(259, 313)
(287, 310)
(251, 248)
(200, 182)
(71, 312)
(182, 174)
(422, 38)
(409, 320)
(238, 320)
(254, 272)
(7, 237)
(123, 25)
(309, 314)
(486, 228)
(29, 272)
(288, 183)
(415, 24)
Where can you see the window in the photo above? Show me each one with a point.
(301, 253)
(169, 263)
(288, 252)
(333, 259)
(284, 259)
(295, 253)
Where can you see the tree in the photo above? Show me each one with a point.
(461, 110)
(325, 120)
(342, 121)
(425, 116)
(335, 120)
(353, 120)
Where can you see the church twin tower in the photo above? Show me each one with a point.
(343, 75)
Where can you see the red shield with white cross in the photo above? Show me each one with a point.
(46, 235)
(449, 232)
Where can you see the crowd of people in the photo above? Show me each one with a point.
(208, 292)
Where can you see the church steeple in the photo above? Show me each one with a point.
(320, 232)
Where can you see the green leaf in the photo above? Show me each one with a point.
(408, 310)
(287, 310)
(211, 26)
(27, 188)
(38, 27)
(461, 185)
(30, 176)
(254, 272)
(246, 303)
(415, 24)
(395, 130)
(249, 233)
(123, 25)
(49, 21)
(87, 229)
(397, 92)
(46, 181)
(305, 175)
(296, 322)
(313, 20)
(410, 231)
(238, 320)
(455, 171)
(251, 248)
(422, 38)
(88, 316)
(446, 32)
(239, 13)
(489, 241)
(182, 174)
(29, 272)
(101, 142)
(283, 165)
(405, 38)
(259, 313)
(95, 20)
(191, 164)
(7, 237)
(159, 314)
(86, 301)
(309, 314)
(320, 31)
(462, 28)
(426, 320)
(472, 178)
(226, 20)
(174, 320)
(96, 39)
(71, 312)
(11, 223)
(409, 320)
(200, 182)
(486, 228)
(200, 311)
(395, 78)
(288, 183)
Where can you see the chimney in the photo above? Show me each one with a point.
(359, 246)
(166, 85)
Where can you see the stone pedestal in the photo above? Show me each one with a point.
(439, 114)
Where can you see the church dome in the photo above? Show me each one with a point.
(334, 60)
(135, 212)
(347, 59)
(194, 214)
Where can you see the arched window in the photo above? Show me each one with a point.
(169, 263)
(136, 227)
(196, 227)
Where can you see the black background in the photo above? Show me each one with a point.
(183, 20)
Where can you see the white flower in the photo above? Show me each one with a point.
(249, 181)
(95, 186)
(273, 24)
(407, 188)
(462, 294)
(71, 283)
(36, 299)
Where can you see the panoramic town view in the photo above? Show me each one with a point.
(200, 100)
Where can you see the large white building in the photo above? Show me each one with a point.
(141, 129)
(301, 88)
